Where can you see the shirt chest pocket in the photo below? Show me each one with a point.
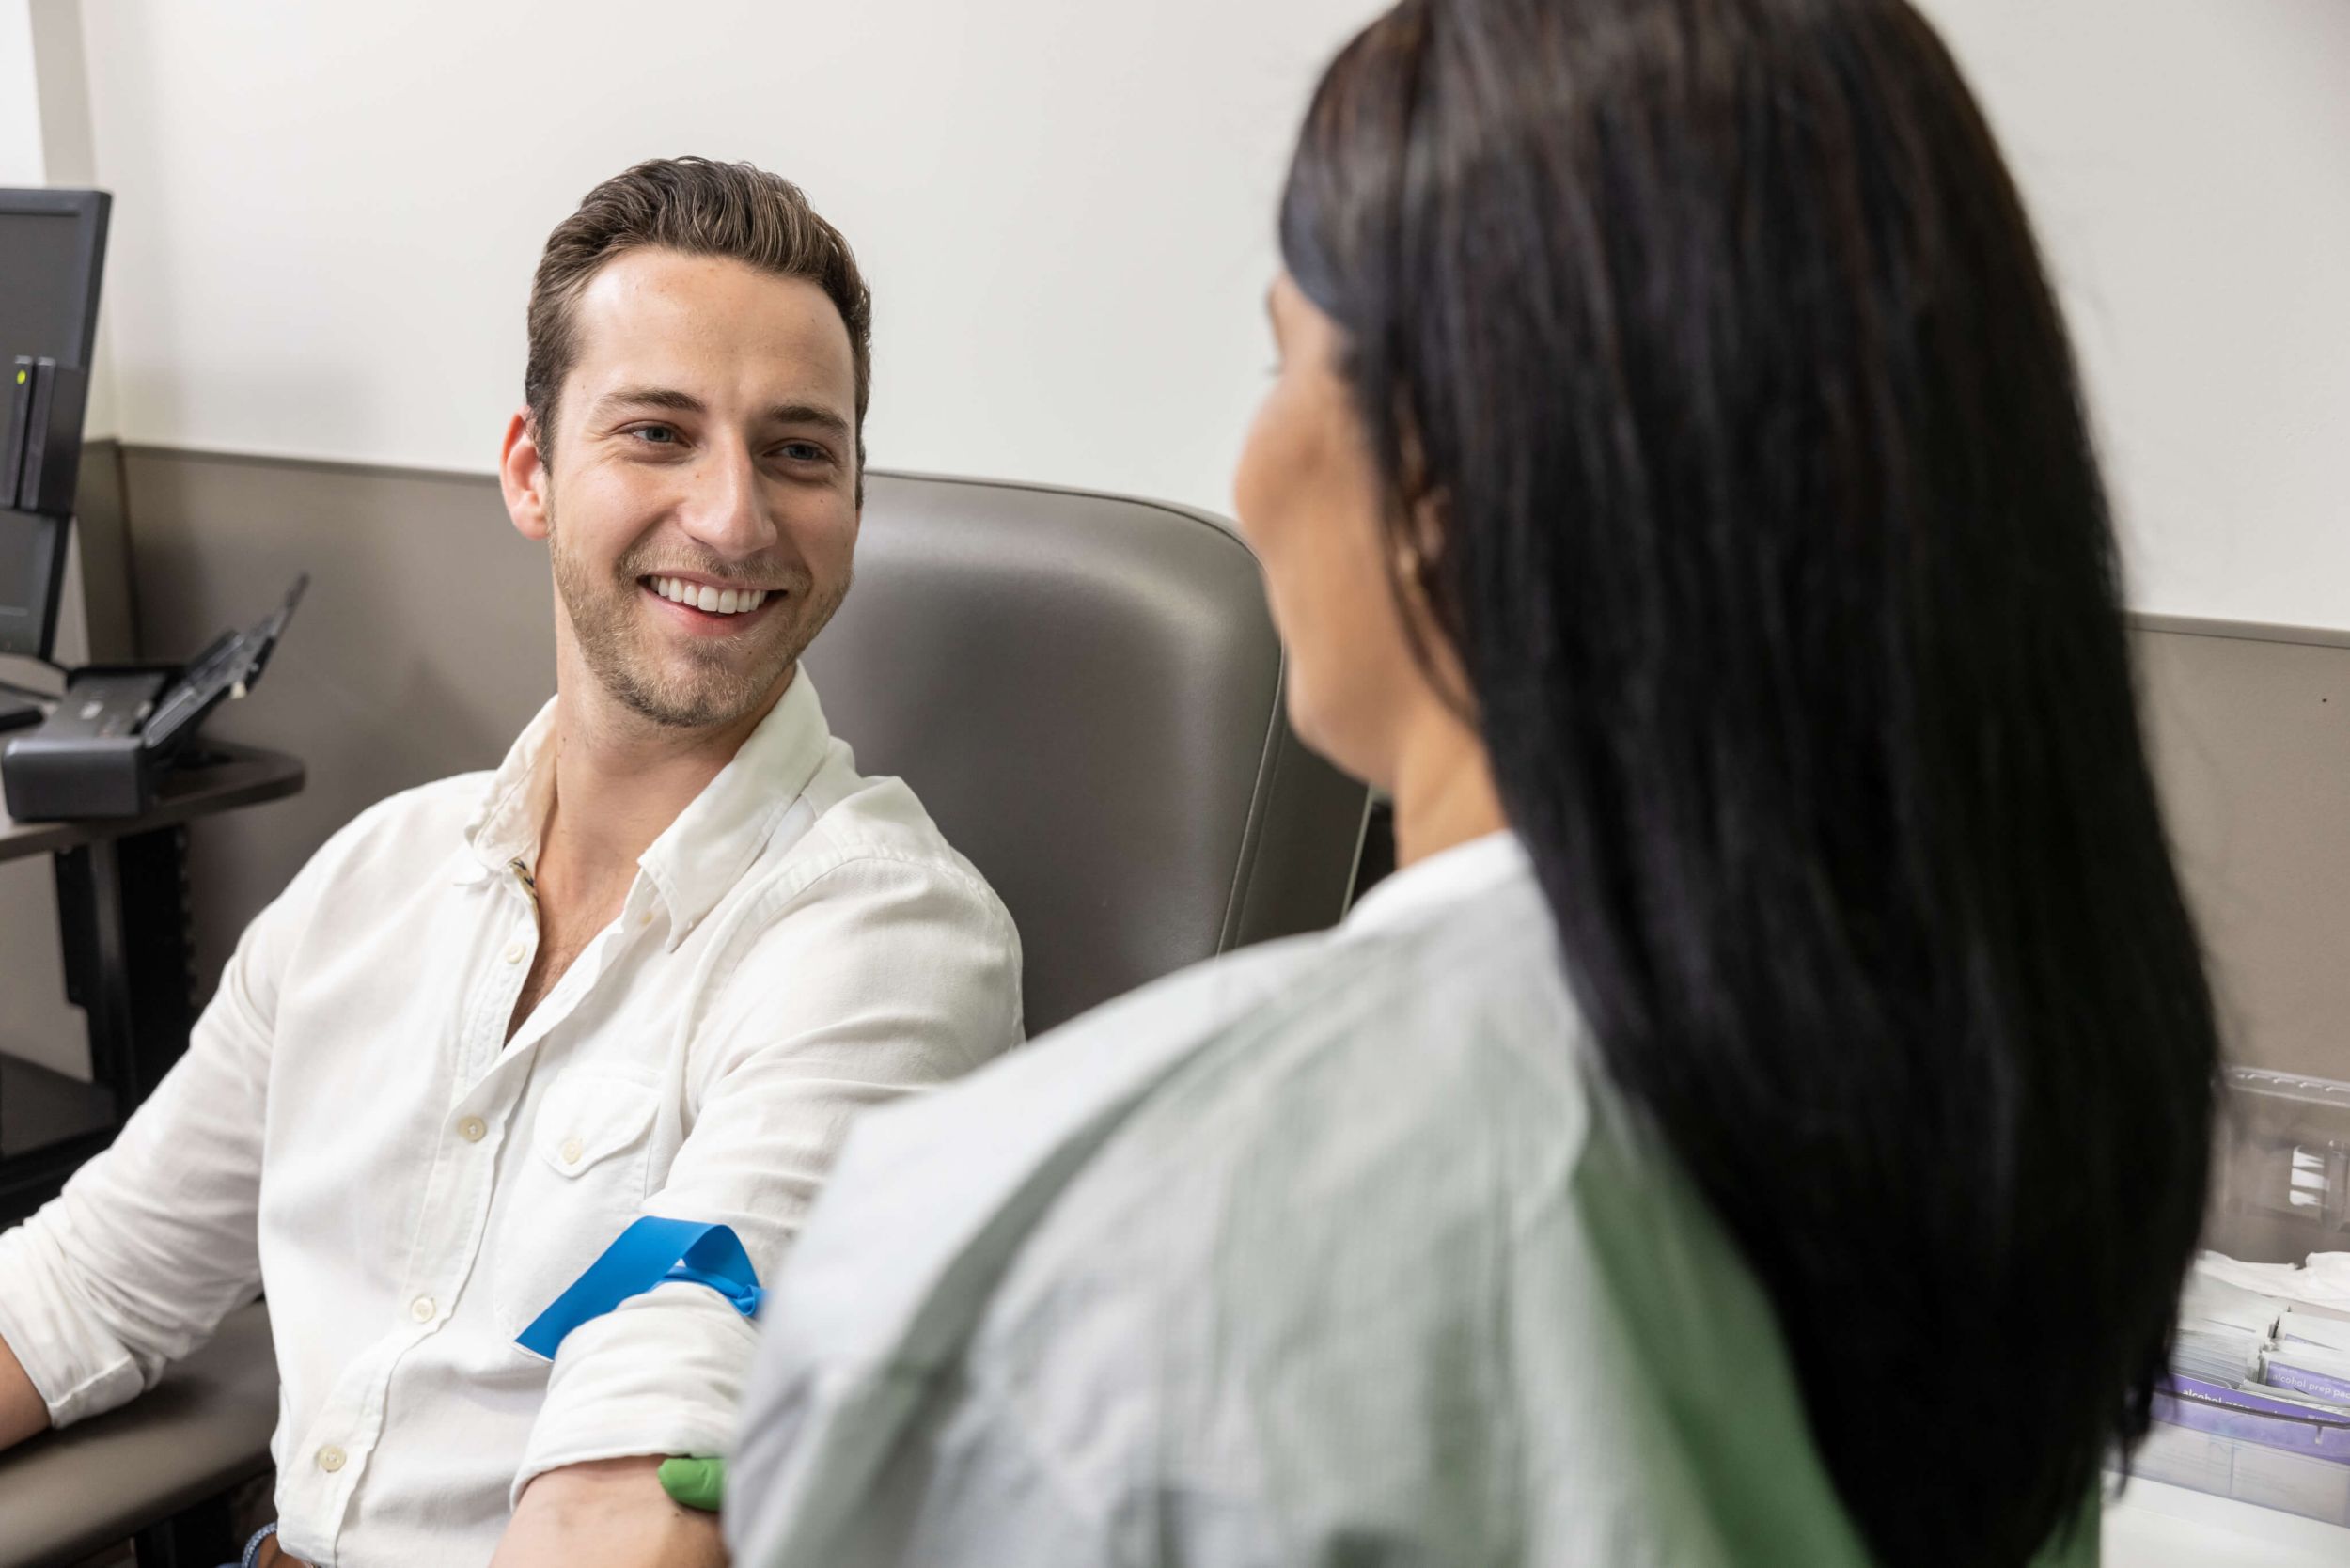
(586, 1122)
(579, 1182)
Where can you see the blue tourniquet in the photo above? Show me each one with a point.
(647, 1253)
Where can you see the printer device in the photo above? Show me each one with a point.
(117, 729)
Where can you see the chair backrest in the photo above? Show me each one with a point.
(1086, 692)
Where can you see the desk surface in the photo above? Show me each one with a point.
(203, 1428)
(2153, 1526)
(242, 775)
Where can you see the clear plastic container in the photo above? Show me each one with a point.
(2280, 1191)
(2281, 1175)
(2245, 1471)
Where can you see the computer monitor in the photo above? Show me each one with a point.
(53, 251)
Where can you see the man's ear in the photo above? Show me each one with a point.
(522, 477)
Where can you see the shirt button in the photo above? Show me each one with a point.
(646, 919)
(514, 953)
(331, 1458)
(421, 1308)
(572, 1150)
(473, 1129)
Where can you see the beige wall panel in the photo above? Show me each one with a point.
(425, 645)
(2251, 737)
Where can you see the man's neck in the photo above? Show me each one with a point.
(621, 780)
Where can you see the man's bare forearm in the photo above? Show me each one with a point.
(611, 1513)
(22, 1412)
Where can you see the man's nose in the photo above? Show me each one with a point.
(726, 509)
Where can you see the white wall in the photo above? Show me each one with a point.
(327, 215)
(2189, 162)
(20, 98)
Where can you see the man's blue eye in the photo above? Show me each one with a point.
(658, 434)
(804, 451)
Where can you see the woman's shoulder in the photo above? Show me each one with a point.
(1402, 1040)
(1400, 1255)
(1392, 1094)
(1446, 998)
(1304, 1274)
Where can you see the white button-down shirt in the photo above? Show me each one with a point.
(353, 1130)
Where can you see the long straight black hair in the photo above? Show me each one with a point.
(1775, 550)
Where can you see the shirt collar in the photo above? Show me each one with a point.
(514, 808)
(701, 854)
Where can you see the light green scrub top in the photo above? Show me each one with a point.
(1336, 1251)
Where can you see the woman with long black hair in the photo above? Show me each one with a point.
(1764, 1120)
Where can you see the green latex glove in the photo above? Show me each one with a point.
(695, 1483)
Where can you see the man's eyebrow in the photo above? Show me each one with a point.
(649, 396)
(817, 415)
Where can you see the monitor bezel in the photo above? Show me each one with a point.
(33, 634)
(92, 208)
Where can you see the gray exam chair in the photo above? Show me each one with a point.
(1086, 692)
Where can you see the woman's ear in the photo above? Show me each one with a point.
(1425, 504)
(522, 477)
(1427, 507)
(1427, 524)
(1419, 538)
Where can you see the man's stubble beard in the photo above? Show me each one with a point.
(612, 643)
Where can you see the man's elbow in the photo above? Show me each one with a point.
(23, 1411)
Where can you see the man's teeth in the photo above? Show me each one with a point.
(702, 597)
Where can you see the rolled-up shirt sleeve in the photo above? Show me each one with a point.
(878, 977)
(153, 1241)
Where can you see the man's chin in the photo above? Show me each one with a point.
(693, 704)
(646, 669)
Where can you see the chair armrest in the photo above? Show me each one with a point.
(202, 1430)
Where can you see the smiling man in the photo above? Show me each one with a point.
(646, 971)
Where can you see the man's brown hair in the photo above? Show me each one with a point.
(700, 208)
